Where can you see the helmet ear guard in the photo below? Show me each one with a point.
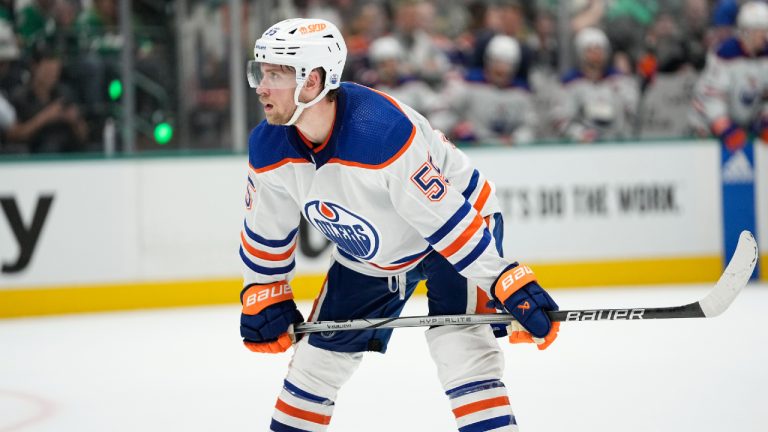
(305, 45)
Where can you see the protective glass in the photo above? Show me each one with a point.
(270, 76)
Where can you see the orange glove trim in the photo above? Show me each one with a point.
(512, 280)
(550, 337)
(282, 344)
(736, 141)
(258, 297)
(542, 344)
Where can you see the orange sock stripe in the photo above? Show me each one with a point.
(461, 240)
(485, 404)
(302, 414)
(266, 255)
(485, 192)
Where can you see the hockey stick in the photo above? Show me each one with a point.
(733, 279)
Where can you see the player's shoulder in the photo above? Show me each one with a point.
(376, 128)
(269, 148)
(571, 76)
(730, 49)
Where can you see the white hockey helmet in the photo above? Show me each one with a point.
(304, 44)
(503, 48)
(753, 16)
(591, 37)
(385, 48)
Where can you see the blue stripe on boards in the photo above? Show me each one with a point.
(266, 242)
(265, 270)
(489, 424)
(450, 224)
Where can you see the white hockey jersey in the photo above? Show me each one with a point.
(494, 115)
(733, 87)
(384, 187)
(606, 107)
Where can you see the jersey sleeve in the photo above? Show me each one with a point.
(711, 91)
(269, 235)
(442, 211)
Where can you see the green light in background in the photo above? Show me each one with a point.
(115, 89)
(163, 133)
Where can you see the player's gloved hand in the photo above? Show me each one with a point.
(268, 311)
(733, 137)
(517, 289)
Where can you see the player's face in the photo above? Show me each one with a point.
(276, 87)
(756, 39)
(499, 73)
(595, 56)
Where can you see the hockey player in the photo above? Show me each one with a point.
(493, 106)
(386, 57)
(730, 97)
(401, 204)
(598, 102)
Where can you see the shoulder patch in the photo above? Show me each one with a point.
(269, 148)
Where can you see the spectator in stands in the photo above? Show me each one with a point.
(9, 52)
(597, 102)
(35, 22)
(49, 121)
(11, 71)
(386, 57)
(423, 58)
(507, 17)
(495, 107)
(730, 97)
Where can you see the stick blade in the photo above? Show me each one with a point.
(734, 278)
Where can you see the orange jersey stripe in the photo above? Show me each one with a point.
(266, 255)
(309, 143)
(461, 240)
(383, 164)
(277, 164)
(302, 414)
(482, 197)
(474, 407)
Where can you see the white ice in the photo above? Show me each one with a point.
(186, 370)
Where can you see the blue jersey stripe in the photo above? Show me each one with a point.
(450, 224)
(410, 257)
(489, 424)
(276, 426)
(301, 394)
(265, 270)
(482, 245)
(266, 242)
(472, 184)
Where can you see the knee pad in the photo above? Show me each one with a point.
(465, 354)
(321, 372)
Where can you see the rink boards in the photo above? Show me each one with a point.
(87, 235)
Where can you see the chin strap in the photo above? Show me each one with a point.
(300, 106)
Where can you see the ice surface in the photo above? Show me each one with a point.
(186, 370)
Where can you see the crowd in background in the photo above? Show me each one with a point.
(486, 72)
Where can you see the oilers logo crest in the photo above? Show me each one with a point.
(349, 231)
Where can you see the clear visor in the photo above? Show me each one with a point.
(270, 76)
